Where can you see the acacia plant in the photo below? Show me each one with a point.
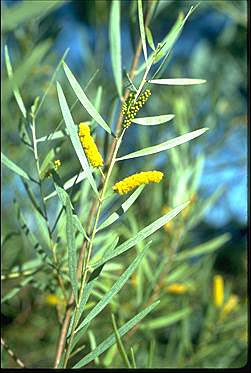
(79, 245)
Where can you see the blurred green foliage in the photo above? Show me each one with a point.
(185, 330)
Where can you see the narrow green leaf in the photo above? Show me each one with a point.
(24, 68)
(16, 289)
(205, 248)
(72, 255)
(26, 11)
(153, 121)
(150, 38)
(164, 321)
(86, 294)
(115, 44)
(46, 164)
(111, 340)
(168, 40)
(142, 28)
(114, 290)
(93, 343)
(74, 137)
(141, 235)
(13, 167)
(16, 91)
(164, 145)
(79, 226)
(97, 103)
(84, 99)
(178, 81)
(120, 345)
(150, 355)
(69, 183)
(53, 136)
(124, 207)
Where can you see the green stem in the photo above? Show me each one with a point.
(90, 246)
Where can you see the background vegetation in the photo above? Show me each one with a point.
(206, 239)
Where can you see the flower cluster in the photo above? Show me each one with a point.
(218, 290)
(89, 146)
(130, 109)
(177, 288)
(57, 164)
(126, 185)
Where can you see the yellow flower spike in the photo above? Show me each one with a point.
(89, 146)
(57, 164)
(53, 300)
(177, 288)
(218, 290)
(126, 185)
(230, 305)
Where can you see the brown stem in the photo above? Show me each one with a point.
(67, 318)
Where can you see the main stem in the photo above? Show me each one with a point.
(90, 246)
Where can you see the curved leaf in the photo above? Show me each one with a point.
(164, 145)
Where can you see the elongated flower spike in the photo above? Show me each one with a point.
(126, 185)
(218, 291)
(130, 109)
(89, 146)
(177, 288)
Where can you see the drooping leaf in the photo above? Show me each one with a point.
(164, 145)
(111, 340)
(13, 167)
(69, 183)
(164, 321)
(124, 207)
(114, 290)
(84, 99)
(153, 121)
(115, 44)
(204, 248)
(74, 137)
(141, 235)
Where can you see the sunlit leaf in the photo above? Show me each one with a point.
(84, 99)
(153, 121)
(74, 137)
(178, 81)
(164, 145)
(111, 340)
(115, 44)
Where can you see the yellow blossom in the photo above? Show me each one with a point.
(218, 290)
(134, 279)
(53, 300)
(89, 146)
(230, 305)
(177, 288)
(126, 185)
(57, 164)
